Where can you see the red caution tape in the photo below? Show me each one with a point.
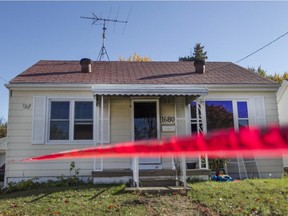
(270, 141)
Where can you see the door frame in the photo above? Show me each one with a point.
(140, 100)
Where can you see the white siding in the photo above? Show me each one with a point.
(20, 133)
(266, 166)
(282, 99)
(19, 145)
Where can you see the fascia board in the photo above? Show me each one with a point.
(210, 87)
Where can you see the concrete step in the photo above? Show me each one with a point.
(159, 190)
(150, 182)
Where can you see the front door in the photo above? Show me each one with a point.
(146, 127)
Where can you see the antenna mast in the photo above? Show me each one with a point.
(103, 51)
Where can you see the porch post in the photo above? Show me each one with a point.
(98, 131)
(183, 169)
(95, 130)
(135, 170)
(102, 126)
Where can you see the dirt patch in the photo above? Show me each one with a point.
(173, 205)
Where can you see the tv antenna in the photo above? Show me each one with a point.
(103, 51)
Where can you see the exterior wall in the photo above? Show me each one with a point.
(268, 167)
(20, 129)
(19, 140)
(270, 103)
(282, 99)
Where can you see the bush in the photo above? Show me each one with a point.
(62, 181)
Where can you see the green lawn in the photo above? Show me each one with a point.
(248, 197)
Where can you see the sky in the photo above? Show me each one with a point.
(164, 31)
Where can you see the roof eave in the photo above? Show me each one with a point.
(81, 86)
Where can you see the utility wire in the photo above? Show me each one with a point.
(261, 48)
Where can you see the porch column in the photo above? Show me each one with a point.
(98, 131)
(183, 171)
(135, 170)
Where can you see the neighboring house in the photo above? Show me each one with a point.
(3, 145)
(282, 100)
(63, 105)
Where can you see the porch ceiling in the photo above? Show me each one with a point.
(148, 90)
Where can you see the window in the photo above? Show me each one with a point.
(83, 121)
(59, 120)
(219, 114)
(71, 120)
(242, 114)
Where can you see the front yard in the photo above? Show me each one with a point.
(248, 197)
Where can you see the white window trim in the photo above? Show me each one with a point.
(71, 140)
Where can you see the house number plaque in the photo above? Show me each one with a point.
(169, 119)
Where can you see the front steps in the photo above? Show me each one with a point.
(147, 178)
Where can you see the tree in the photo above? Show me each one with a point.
(136, 58)
(218, 117)
(276, 77)
(3, 128)
(198, 54)
(259, 71)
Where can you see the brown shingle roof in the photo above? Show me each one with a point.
(120, 72)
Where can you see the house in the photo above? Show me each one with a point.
(63, 105)
(2, 158)
(282, 100)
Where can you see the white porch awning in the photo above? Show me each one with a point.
(148, 90)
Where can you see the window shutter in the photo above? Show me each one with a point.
(259, 106)
(180, 116)
(106, 122)
(38, 121)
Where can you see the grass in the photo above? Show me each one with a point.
(247, 197)
(70, 201)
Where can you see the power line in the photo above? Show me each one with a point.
(261, 48)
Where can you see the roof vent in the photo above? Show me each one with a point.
(199, 66)
(86, 65)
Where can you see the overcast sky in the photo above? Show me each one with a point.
(164, 31)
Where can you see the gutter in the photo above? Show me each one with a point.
(87, 87)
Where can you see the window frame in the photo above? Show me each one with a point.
(71, 101)
(234, 108)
